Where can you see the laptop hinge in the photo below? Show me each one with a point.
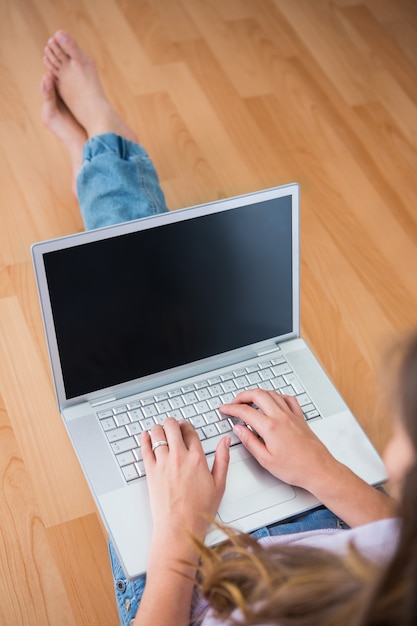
(273, 348)
(103, 401)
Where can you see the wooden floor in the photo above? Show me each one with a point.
(228, 96)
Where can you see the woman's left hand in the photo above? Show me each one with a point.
(183, 492)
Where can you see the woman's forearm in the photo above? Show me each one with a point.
(170, 577)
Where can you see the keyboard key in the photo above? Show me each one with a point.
(223, 426)
(308, 407)
(279, 370)
(120, 409)
(108, 423)
(203, 393)
(267, 385)
(116, 434)
(174, 393)
(311, 414)
(147, 401)
(254, 378)
(124, 445)
(188, 411)
(122, 419)
(125, 458)
(160, 397)
(198, 421)
(190, 398)
(210, 430)
(229, 385)
(264, 365)
(214, 403)
(303, 399)
(288, 391)
(226, 398)
(267, 374)
(252, 368)
(176, 403)
(278, 382)
(103, 414)
(211, 417)
(291, 379)
(161, 418)
(201, 407)
(241, 382)
(134, 428)
(278, 360)
(176, 413)
(134, 405)
(136, 414)
(148, 423)
(150, 410)
(216, 390)
(129, 472)
(163, 406)
(214, 381)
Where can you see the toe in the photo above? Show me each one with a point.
(48, 87)
(68, 45)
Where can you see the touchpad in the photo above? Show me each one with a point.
(249, 489)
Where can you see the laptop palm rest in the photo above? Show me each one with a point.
(250, 488)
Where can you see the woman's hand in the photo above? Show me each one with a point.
(288, 448)
(183, 491)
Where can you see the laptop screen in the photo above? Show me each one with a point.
(151, 300)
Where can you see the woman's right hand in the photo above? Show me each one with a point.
(286, 445)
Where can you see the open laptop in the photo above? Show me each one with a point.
(173, 315)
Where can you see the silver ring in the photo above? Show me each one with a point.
(159, 443)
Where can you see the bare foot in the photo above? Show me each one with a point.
(79, 87)
(59, 119)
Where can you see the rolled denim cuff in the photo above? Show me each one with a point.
(117, 182)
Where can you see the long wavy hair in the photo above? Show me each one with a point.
(295, 586)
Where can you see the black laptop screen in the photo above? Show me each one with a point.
(145, 302)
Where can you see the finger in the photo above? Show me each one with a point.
(146, 448)
(267, 401)
(221, 463)
(173, 434)
(294, 405)
(189, 435)
(251, 442)
(158, 435)
(247, 414)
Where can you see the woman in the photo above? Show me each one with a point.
(313, 570)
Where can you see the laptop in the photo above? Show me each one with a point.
(172, 315)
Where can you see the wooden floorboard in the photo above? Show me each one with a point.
(228, 96)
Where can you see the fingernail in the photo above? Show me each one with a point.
(228, 441)
(237, 429)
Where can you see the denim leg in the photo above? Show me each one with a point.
(128, 592)
(312, 520)
(117, 182)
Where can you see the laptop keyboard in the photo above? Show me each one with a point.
(198, 403)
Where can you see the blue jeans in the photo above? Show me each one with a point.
(118, 183)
